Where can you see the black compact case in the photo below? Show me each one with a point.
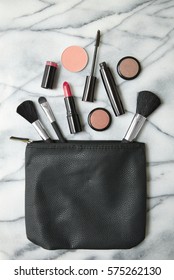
(85, 194)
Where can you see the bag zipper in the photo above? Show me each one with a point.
(21, 139)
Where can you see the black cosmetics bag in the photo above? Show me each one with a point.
(85, 194)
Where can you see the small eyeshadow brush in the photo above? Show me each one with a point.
(88, 94)
(49, 113)
(147, 102)
(28, 111)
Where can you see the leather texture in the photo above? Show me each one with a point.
(85, 194)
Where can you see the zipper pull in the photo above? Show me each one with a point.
(25, 140)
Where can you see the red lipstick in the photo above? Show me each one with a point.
(72, 115)
(67, 90)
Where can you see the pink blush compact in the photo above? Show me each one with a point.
(74, 58)
(99, 119)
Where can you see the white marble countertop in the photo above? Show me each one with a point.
(34, 31)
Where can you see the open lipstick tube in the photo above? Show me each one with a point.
(72, 115)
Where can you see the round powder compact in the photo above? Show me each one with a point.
(74, 58)
(99, 119)
(128, 68)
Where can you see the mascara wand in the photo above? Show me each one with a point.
(147, 103)
(88, 94)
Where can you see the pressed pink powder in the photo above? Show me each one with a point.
(99, 119)
(74, 58)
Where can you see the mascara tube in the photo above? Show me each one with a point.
(111, 89)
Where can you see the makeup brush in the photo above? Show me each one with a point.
(49, 113)
(28, 111)
(147, 102)
(88, 94)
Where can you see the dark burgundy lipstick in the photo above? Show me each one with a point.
(72, 116)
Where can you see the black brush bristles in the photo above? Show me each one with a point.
(28, 111)
(147, 102)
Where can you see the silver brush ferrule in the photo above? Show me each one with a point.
(41, 130)
(135, 127)
(49, 113)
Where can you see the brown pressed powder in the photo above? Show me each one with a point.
(99, 119)
(128, 67)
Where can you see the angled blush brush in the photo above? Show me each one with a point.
(49, 113)
(28, 111)
(147, 103)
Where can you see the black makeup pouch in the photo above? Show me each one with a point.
(85, 194)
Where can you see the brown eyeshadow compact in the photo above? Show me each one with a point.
(128, 68)
(99, 119)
